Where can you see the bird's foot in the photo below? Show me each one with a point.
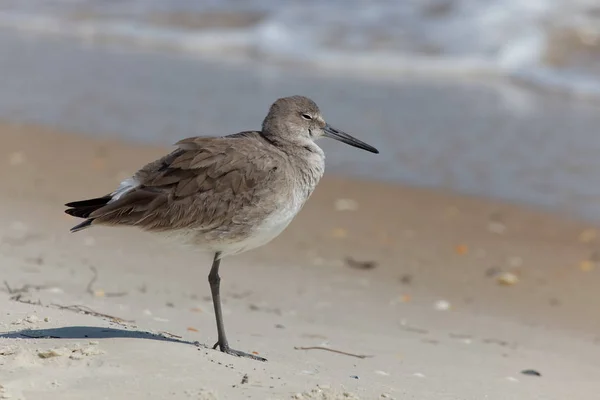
(228, 350)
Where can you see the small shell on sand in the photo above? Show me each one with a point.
(52, 353)
(442, 305)
(508, 279)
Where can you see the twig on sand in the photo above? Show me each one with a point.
(88, 311)
(23, 289)
(333, 351)
(93, 292)
(169, 334)
(17, 295)
(19, 298)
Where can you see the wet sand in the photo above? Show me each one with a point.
(451, 297)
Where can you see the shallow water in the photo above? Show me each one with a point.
(493, 140)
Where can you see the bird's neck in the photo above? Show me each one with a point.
(303, 154)
(290, 142)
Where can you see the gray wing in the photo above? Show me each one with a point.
(206, 183)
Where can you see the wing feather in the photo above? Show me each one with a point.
(196, 186)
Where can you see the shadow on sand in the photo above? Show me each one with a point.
(90, 332)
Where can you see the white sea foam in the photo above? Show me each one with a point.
(512, 38)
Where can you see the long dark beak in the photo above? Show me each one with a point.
(343, 137)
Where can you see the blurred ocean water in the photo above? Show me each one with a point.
(158, 71)
(552, 44)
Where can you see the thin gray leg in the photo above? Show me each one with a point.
(215, 283)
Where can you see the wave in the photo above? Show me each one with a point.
(549, 44)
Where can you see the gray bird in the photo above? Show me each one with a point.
(225, 195)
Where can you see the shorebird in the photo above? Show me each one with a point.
(225, 195)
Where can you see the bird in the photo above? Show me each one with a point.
(225, 194)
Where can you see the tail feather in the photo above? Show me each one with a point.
(83, 209)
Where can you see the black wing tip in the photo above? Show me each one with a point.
(79, 227)
(98, 201)
(83, 209)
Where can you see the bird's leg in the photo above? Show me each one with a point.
(215, 282)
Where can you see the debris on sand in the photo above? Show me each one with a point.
(99, 292)
(507, 279)
(406, 279)
(442, 305)
(364, 265)
(531, 372)
(52, 353)
(88, 311)
(332, 350)
(462, 249)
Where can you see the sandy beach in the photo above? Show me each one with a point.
(431, 295)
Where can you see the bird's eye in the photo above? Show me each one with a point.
(306, 116)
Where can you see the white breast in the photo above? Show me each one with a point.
(270, 227)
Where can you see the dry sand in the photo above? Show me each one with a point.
(411, 278)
